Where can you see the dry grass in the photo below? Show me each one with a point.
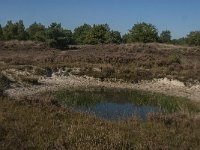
(35, 126)
(131, 62)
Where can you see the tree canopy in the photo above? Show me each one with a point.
(14, 31)
(115, 37)
(193, 38)
(37, 32)
(58, 37)
(10, 31)
(126, 38)
(21, 33)
(143, 32)
(1, 33)
(165, 36)
(96, 34)
(81, 34)
(99, 34)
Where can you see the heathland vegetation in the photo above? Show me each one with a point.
(57, 36)
(28, 124)
(96, 57)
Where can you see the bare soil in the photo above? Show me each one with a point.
(164, 86)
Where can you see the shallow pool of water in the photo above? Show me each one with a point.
(118, 111)
(107, 104)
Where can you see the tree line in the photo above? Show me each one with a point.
(58, 37)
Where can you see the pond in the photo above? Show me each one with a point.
(112, 104)
(118, 111)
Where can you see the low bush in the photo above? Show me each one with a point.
(174, 59)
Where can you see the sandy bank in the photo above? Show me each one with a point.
(164, 86)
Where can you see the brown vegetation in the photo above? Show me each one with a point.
(131, 62)
(35, 125)
(4, 83)
(41, 123)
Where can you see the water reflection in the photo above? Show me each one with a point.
(118, 111)
(108, 104)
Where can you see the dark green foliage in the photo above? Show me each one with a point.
(57, 37)
(21, 33)
(143, 32)
(127, 38)
(165, 36)
(14, 31)
(10, 31)
(81, 34)
(115, 37)
(193, 38)
(100, 34)
(180, 41)
(1, 33)
(37, 32)
(174, 59)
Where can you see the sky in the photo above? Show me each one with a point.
(178, 16)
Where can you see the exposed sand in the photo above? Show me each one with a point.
(164, 86)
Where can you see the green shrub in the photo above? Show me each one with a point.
(174, 59)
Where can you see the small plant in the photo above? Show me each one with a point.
(174, 59)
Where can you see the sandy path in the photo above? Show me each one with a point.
(165, 86)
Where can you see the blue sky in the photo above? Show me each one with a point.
(179, 16)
